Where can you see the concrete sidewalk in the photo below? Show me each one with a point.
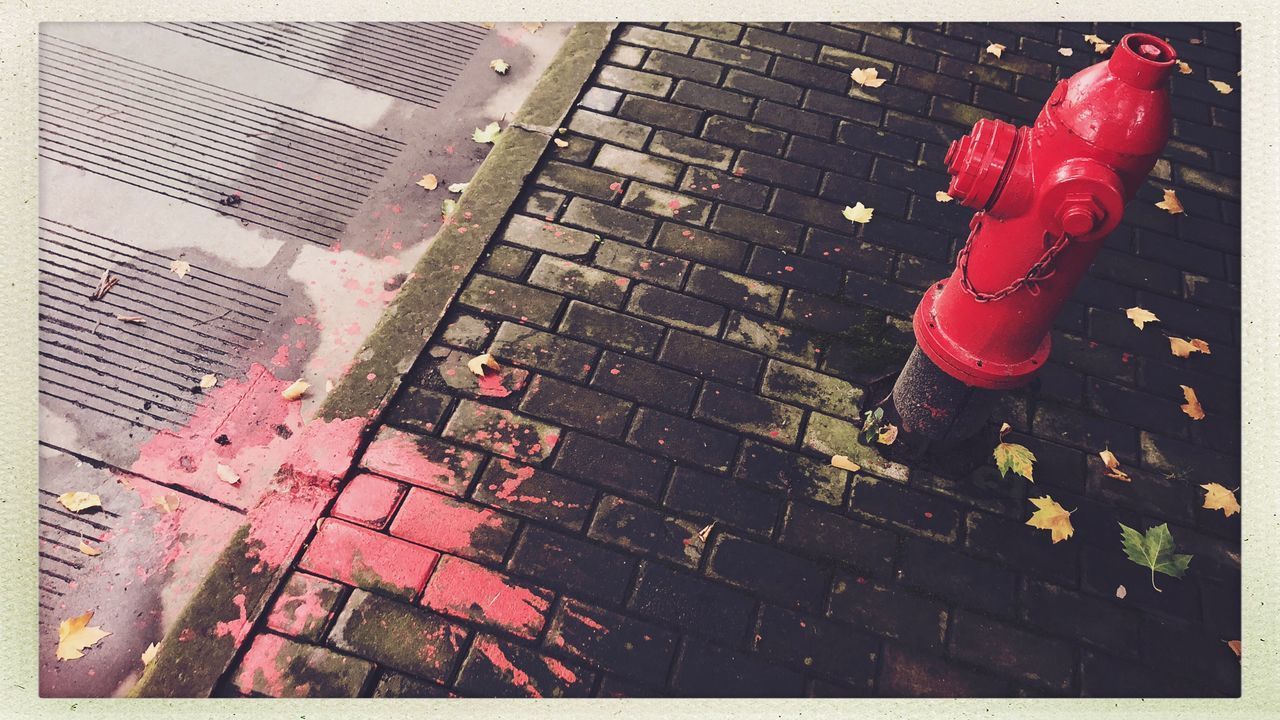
(641, 503)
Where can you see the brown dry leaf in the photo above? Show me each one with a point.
(1235, 646)
(1052, 517)
(150, 654)
(296, 390)
(79, 501)
(89, 550)
(1183, 348)
(208, 381)
(166, 503)
(1192, 408)
(1066, 52)
(844, 463)
(227, 475)
(478, 363)
(136, 319)
(867, 77)
(1183, 68)
(1217, 497)
(428, 181)
(1140, 316)
(1113, 466)
(1121, 591)
(74, 635)
(1170, 203)
(942, 197)
(888, 433)
(532, 27)
(995, 49)
(1005, 429)
(1221, 87)
(105, 283)
(180, 268)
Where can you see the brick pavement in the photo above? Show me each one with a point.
(689, 328)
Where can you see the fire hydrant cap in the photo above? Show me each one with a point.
(1142, 60)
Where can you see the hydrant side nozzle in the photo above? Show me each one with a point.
(977, 162)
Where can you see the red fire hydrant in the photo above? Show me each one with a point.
(1046, 197)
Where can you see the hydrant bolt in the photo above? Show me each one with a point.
(1080, 214)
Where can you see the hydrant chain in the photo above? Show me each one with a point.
(1039, 270)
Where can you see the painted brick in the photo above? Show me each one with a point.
(612, 466)
(608, 220)
(710, 359)
(706, 670)
(580, 568)
(570, 278)
(664, 203)
(498, 669)
(359, 556)
(699, 244)
(616, 643)
(451, 526)
(790, 270)
(614, 330)
(675, 309)
(472, 592)
(278, 667)
(636, 379)
(418, 409)
(421, 461)
(542, 235)
(305, 605)
(368, 500)
(543, 351)
(510, 300)
(535, 493)
(641, 529)
(890, 611)
(507, 260)
(734, 290)
(397, 635)
(635, 164)
(397, 685)
(502, 431)
(576, 406)
(692, 603)
(767, 571)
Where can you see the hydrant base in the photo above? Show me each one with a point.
(932, 404)
(962, 364)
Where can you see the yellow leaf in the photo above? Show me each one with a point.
(1192, 408)
(1113, 466)
(89, 550)
(1140, 316)
(488, 134)
(500, 66)
(1011, 456)
(74, 635)
(1235, 646)
(295, 391)
(1101, 47)
(150, 654)
(1052, 517)
(428, 181)
(1183, 348)
(995, 49)
(1121, 592)
(867, 77)
(859, 213)
(532, 27)
(1094, 39)
(478, 363)
(1221, 87)
(1217, 497)
(942, 197)
(1066, 52)
(180, 268)
(79, 501)
(227, 475)
(208, 381)
(1184, 68)
(167, 503)
(1170, 203)
(561, 143)
(888, 433)
(844, 463)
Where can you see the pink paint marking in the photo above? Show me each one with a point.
(473, 592)
(440, 522)
(260, 668)
(359, 556)
(499, 660)
(490, 385)
(398, 455)
(293, 614)
(281, 358)
(237, 628)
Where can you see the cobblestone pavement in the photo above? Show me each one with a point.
(689, 329)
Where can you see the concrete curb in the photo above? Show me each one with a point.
(199, 648)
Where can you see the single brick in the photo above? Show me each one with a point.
(642, 529)
(451, 526)
(757, 227)
(507, 260)
(359, 556)
(1012, 652)
(921, 514)
(421, 461)
(706, 670)
(1073, 615)
(636, 379)
(468, 591)
(898, 52)
(396, 685)
(608, 220)
(692, 603)
(579, 567)
(575, 406)
(961, 578)
(843, 107)
(733, 503)
(511, 300)
(867, 139)
(611, 329)
(715, 30)
(612, 466)
(570, 278)
(636, 164)
(779, 44)
(954, 112)
(542, 235)
(771, 338)
(543, 351)
(683, 67)
(578, 180)
(605, 127)
(699, 244)
(794, 120)
(763, 87)
(889, 611)
(737, 133)
(494, 668)
(649, 37)
(626, 55)
(734, 290)
(810, 75)
(642, 264)
(681, 439)
(453, 371)
(710, 359)
(791, 473)
(633, 81)
(418, 409)
(657, 113)
(1104, 676)
(830, 535)
(794, 271)
(826, 34)
(278, 667)
(722, 186)
(822, 313)
(768, 571)
(304, 606)
(746, 412)
(808, 210)
(502, 431)
(690, 150)
(664, 203)
(819, 646)
(774, 171)
(675, 309)
(802, 386)
(731, 55)
(615, 643)
(397, 635)
(910, 673)
(368, 500)
(600, 99)
(535, 493)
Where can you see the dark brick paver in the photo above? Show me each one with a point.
(691, 330)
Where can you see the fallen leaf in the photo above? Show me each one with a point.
(1183, 348)
(1005, 429)
(1170, 203)
(1235, 646)
(705, 533)
(859, 213)
(149, 654)
(208, 381)
(560, 143)
(1221, 87)
(1184, 68)
(844, 463)
(328, 385)
(1217, 497)
(166, 503)
(1093, 39)
(428, 181)
(867, 77)
(942, 197)
(1154, 550)
(532, 27)
(1011, 456)
(227, 475)
(79, 501)
(1101, 47)
(1052, 517)
(500, 66)
(995, 49)
(448, 208)
(1113, 466)
(478, 363)
(180, 268)
(296, 390)
(74, 635)
(89, 550)
(1140, 316)
(1121, 591)
(488, 134)
(888, 433)
(458, 187)
(1192, 408)
(1066, 52)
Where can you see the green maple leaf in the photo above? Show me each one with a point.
(487, 135)
(1154, 550)
(1011, 456)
